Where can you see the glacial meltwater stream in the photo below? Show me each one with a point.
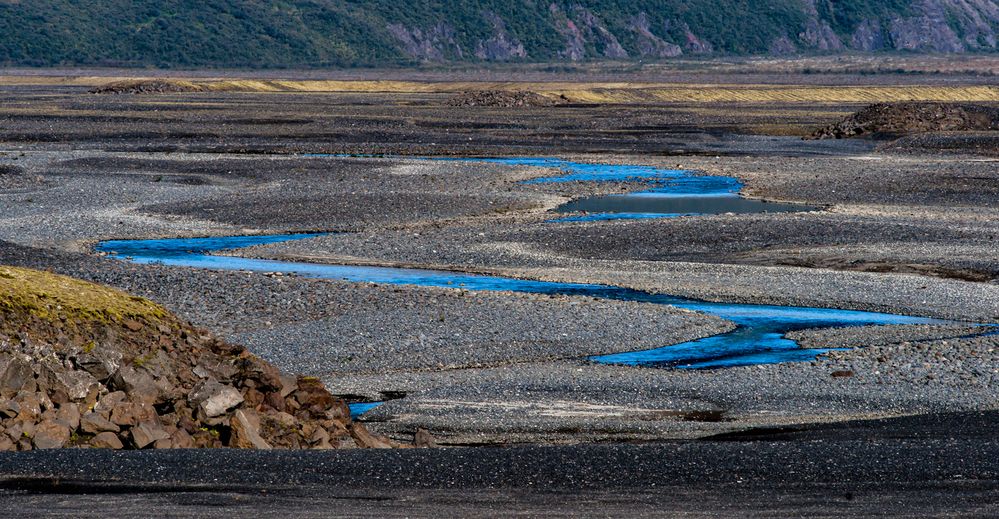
(671, 193)
(760, 333)
(759, 337)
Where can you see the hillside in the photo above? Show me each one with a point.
(316, 33)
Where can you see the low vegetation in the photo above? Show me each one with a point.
(323, 33)
(616, 93)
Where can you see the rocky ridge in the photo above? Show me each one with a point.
(504, 99)
(147, 86)
(83, 365)
(908, 118)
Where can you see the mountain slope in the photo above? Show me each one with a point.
(260, 33)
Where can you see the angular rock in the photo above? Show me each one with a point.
(19, 376)
(146, 433)
(109, 401)
(132, 413)
(69, 414)
(265, 376)
(51, 434)
(423, 438)
(137, 384)
(245, 426)
(221, 401)
(9, 408)
(312, 393)
(366, 440)
(133, 325)
(320, 439)
(180, 439)
(274, 400)
(203, 390)
(289, 384)
(30, 407)
(94, 423)
(75, 384)
(106, 440)
(100, 362)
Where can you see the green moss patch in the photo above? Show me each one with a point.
(47, 296)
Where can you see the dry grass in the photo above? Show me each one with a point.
(785, 94)
(606, 92)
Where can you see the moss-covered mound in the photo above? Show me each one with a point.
(90, 366)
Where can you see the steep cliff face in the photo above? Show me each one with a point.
(817, 33)
(501, 46)
(584, 34)
(649, 44)
(372, 32)
(434, 43)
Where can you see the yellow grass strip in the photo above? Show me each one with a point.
(605, 92)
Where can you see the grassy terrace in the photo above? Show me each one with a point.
(583, 92)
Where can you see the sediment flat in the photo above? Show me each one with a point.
(898, 231)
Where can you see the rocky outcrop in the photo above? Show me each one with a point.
(869, 36)
(87, 366)
(928, 32)
(501, 46)
(595, 31)
(584, 30)
(147, 86)
(647, 43)
(575, 45)
(817, 33)
(504, 99)
(693, 44)
(782, 46)
(436, 43)
(910, 118)
(976, 21)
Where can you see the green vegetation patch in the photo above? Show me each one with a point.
(324, 33)
(47, 296)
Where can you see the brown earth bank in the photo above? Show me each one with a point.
(82, 365)
(906, 118)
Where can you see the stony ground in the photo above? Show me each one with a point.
(903, 233)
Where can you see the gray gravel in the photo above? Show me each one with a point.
(511, 375)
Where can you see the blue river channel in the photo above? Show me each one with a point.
(760, 333)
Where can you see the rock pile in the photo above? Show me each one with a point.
(504, 99)
(907, 118)
(147, 86)
(88, 366)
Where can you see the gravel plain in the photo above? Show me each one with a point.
(899, 233)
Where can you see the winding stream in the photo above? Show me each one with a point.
(670, 193)
(760, 333)
(758, 338)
